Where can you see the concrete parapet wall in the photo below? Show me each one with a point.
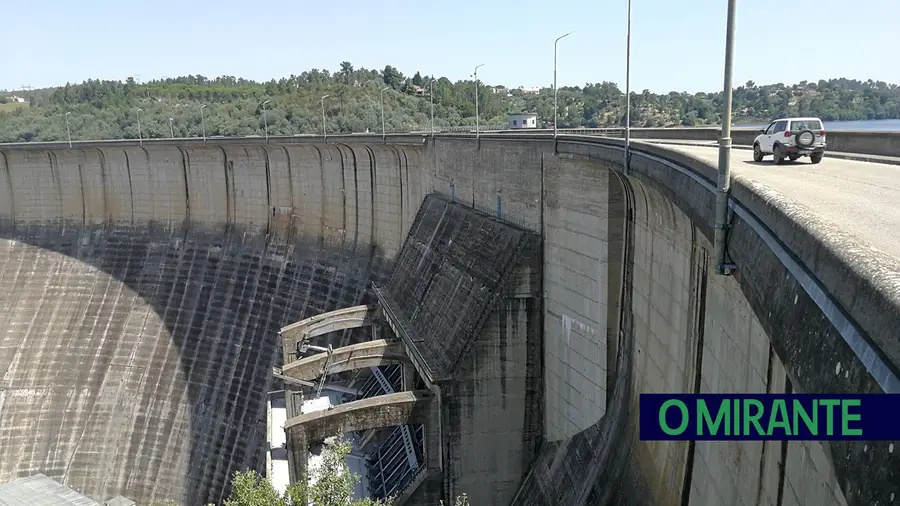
(846, 141)
(862, 142)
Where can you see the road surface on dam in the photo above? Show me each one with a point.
(860, 198)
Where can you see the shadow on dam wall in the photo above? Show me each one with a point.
(137, 341)
(171, 262)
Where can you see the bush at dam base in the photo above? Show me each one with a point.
(333, 484)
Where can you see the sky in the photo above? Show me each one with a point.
(676, 45)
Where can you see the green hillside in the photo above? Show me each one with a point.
(234, 106)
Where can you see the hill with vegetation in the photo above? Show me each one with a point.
(293, 105)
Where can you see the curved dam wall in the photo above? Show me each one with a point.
(143, 289)
(148, 284)
(631, 306)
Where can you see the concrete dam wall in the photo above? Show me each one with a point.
(143, 289)
(631, 306)
(144, 286)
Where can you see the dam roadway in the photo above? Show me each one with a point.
(858, 197)
(143, 287)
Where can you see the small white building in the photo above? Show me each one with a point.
(525, 120)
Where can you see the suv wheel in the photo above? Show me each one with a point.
(816, 158)
(757, 153)
(777, 154)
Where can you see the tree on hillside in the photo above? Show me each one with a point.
(347, 72)
(393, 77)
(101, 109)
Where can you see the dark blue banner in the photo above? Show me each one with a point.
(755, 417)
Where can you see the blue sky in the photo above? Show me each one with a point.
(676, 44)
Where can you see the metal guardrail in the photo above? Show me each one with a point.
(490, 129)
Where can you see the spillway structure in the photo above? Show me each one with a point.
(463, 294)
(487, 309)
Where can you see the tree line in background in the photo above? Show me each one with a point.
(234, 106)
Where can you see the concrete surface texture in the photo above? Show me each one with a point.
(448, 276)
(138, 335)
(464, 297)
(348, 358)
(142, 298)
(41, 490)
(494, 406)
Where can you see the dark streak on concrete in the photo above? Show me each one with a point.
(456, 261)
(222, 312)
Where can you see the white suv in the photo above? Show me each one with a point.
(791, 138)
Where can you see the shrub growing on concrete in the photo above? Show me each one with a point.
(333, 484)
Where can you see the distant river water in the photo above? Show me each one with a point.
(881, 125)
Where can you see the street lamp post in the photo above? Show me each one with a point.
(628, 91)
(555, 90)
(724, 186)
(203, 122)
(68, 132)
(265, 119)
(383, 134)
(324, 131)
(140, 136)
(476, 98)
(171, 128)
(431, 96)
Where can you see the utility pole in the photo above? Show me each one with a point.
(68, 132)
(627, 162)
(383, 134)
(265, 120)
(431, 95)
(724, 186)
(476, 99)
(324, 131)
(140, 136)
(555, 90)
(203, 122)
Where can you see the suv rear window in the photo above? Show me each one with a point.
(806, 124)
